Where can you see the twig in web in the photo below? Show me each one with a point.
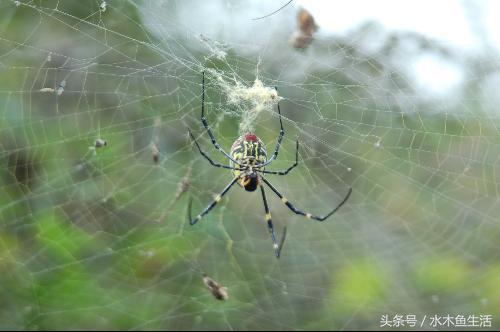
(217, 290)
(286, 4)
(182, 187)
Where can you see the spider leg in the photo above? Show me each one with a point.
(209, 206)
(278, 143)
(285, 172)
(216, 164)
(277, 247)
(302, 213)
(207, 127)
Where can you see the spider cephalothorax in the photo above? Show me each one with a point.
(247, 161)
(248, 151)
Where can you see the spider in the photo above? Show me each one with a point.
(247, 161)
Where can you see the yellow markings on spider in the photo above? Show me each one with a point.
(245, 181)
(268, 216)
(284, 200)
(245, 151)
(217, 198)
(308, 215)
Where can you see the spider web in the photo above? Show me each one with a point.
(95, 236)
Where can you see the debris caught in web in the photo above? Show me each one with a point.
(99, 143)
(60, 88)
(306, 27)
(103, 6)
(217, 290)
(155, 153)
(252, 100)
(182, 187)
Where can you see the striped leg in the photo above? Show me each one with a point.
(278, 143)
(277, 247)
(211, 205)
(302, 213)
(285, 172)
(207, 157)
(207, 127)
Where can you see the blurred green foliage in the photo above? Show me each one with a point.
(86, 243)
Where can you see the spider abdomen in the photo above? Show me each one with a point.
(248, 150)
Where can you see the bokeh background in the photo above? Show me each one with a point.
(397, 101)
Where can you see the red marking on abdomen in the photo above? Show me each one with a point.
(250, 137)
